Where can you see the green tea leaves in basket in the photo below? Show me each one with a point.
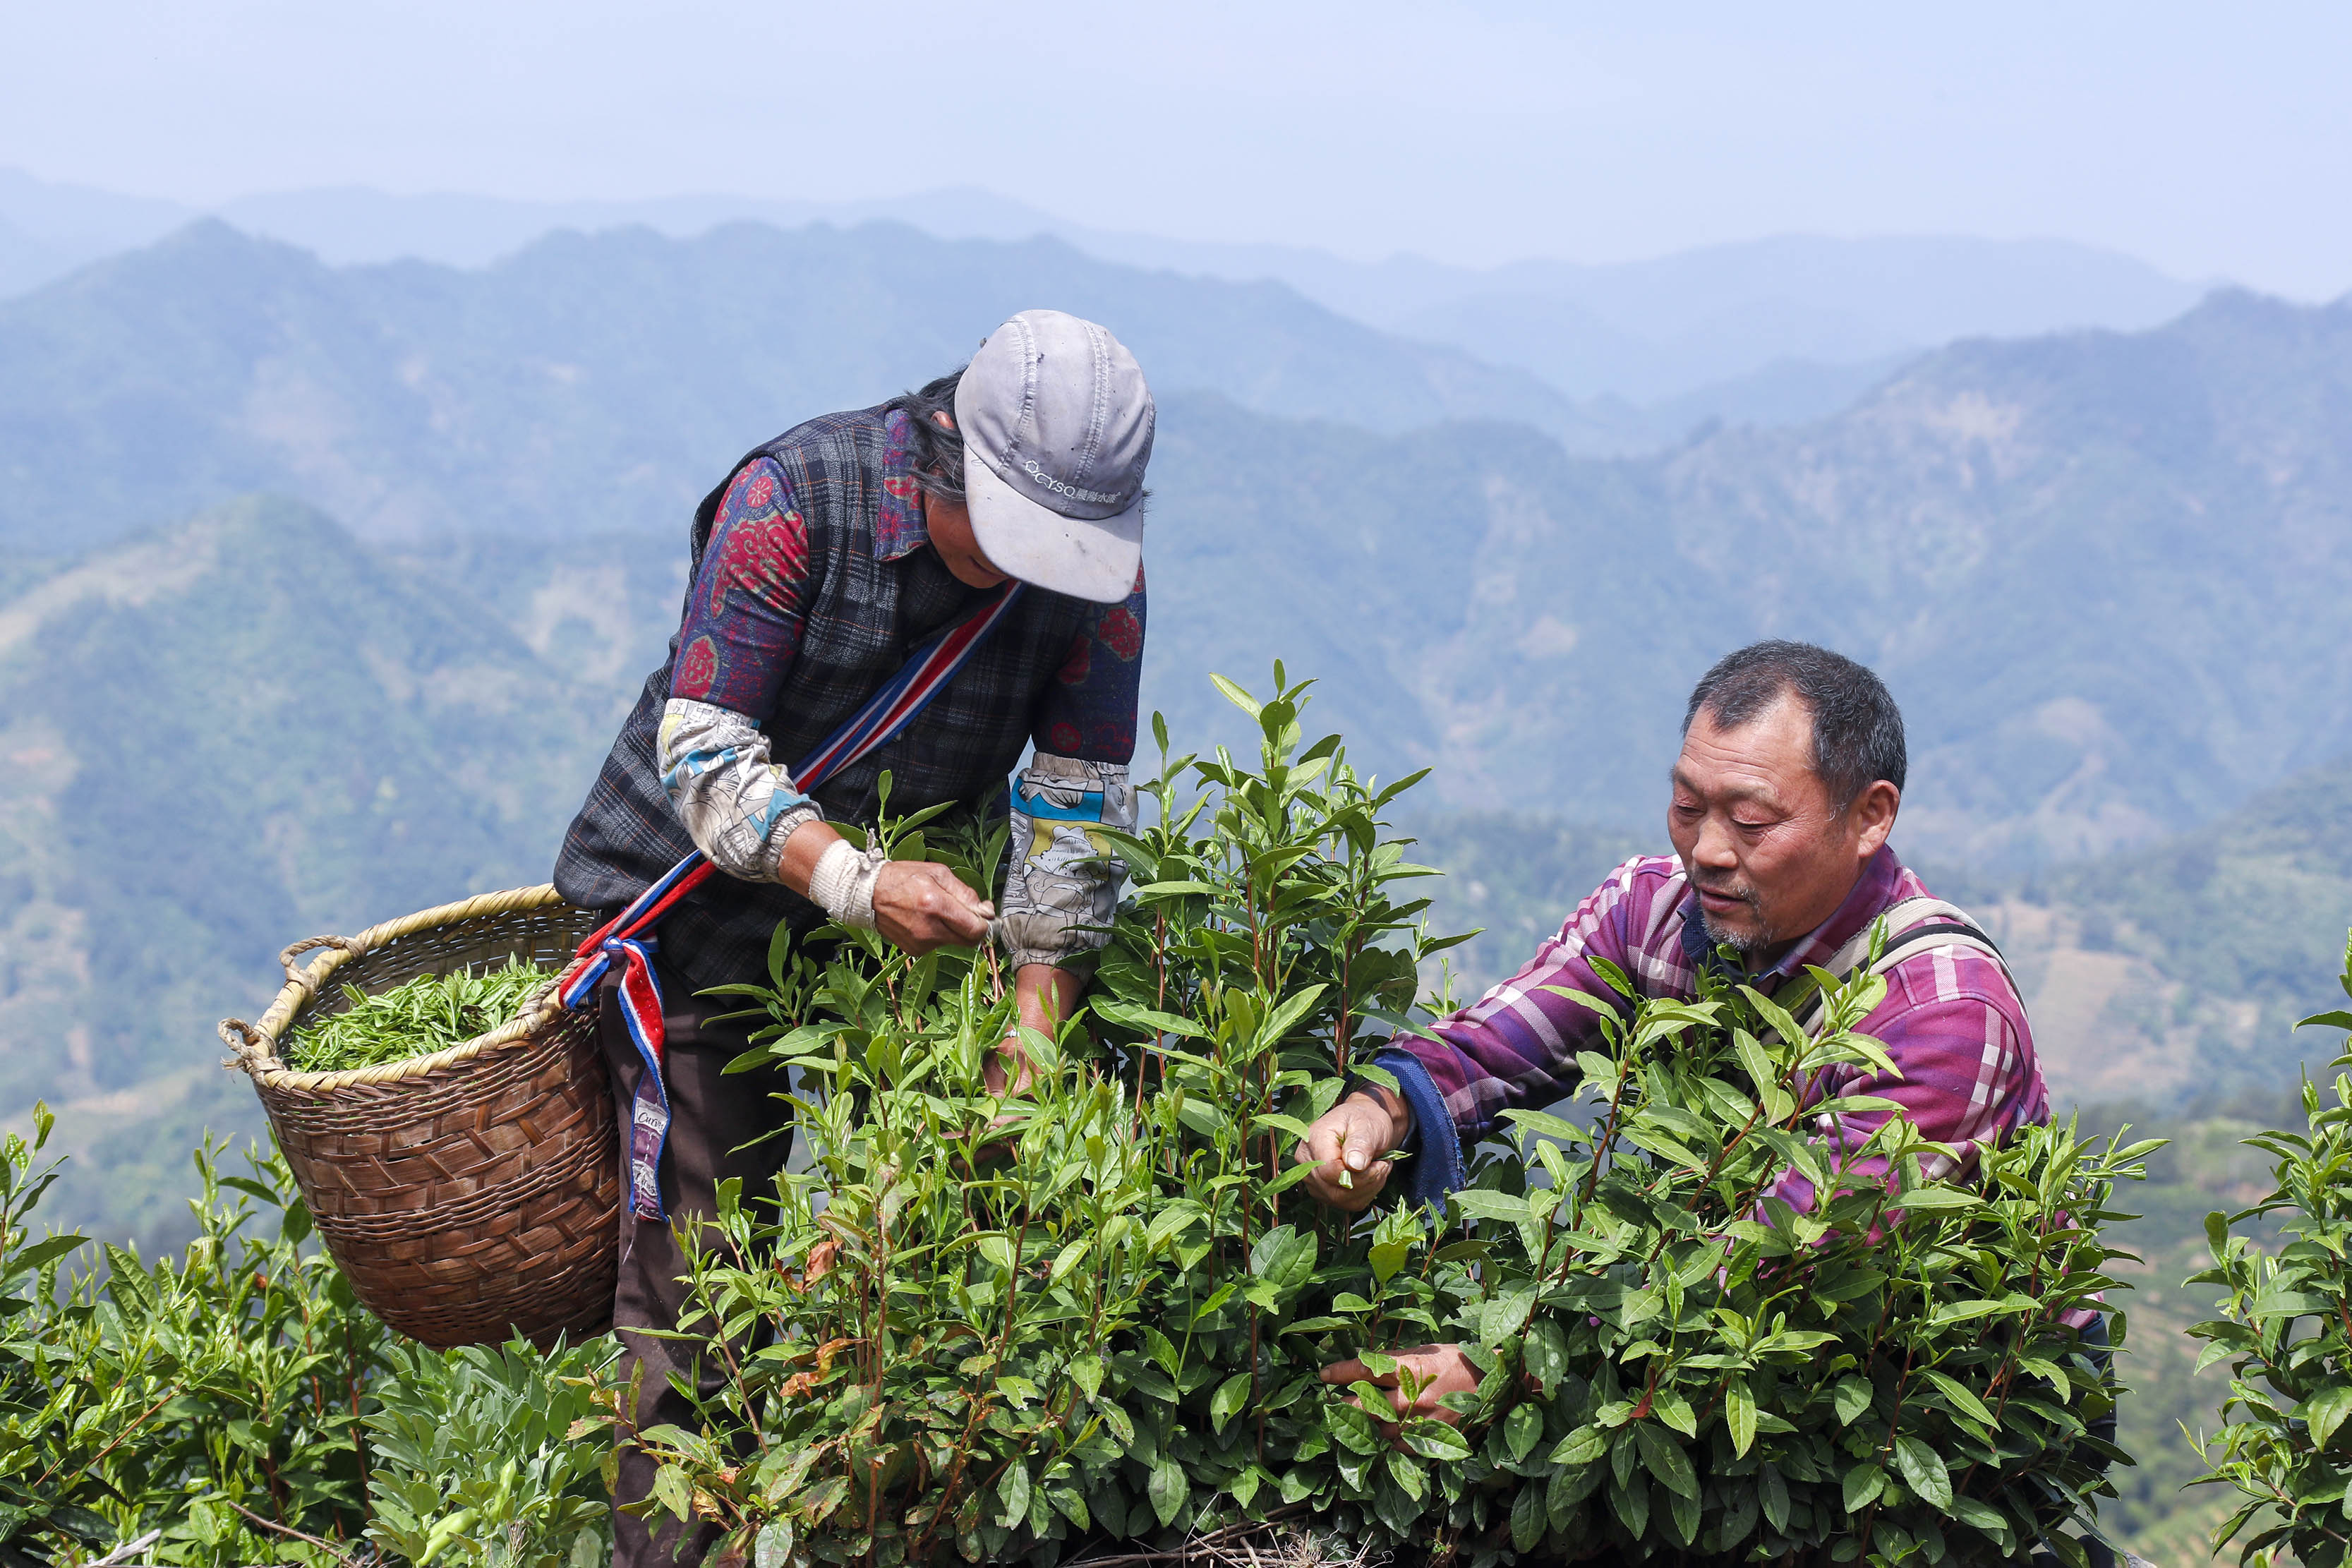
(429, 1014)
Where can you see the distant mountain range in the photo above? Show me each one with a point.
(2099, 568)
(1774, 331)
(600, 383)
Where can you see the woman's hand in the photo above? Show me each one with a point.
(920, 905)
(917, 905)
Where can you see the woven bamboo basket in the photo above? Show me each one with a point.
(475, 1192)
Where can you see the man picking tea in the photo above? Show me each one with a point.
(1791, 774)
(926, 588)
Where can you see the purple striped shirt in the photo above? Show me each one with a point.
(1951, 1021)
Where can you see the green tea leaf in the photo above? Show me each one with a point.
(1504, 1315)
(1435, 1441)
(1923, 1472)
(1529, 1520)
(2325, 1411)
(1013, 1495)
(1980, 1515)
(1231, 1397)
(1129, 1016)
(1966, 1403)
(1522, 1430)
(1862, 1483)
(1664, 1458)
(1739, 1416)
(1168, 1490)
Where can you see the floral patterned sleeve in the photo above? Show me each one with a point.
(741, 633)
(1063, 888)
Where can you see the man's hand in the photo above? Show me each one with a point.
(1424, 1375)
(1348, 1145)
(919, 905)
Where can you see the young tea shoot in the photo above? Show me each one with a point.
(429, 1014)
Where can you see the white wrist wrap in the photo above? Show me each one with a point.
(843, 883)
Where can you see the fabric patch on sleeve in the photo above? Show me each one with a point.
(696, 667)
(1088, 710)
(745, 610)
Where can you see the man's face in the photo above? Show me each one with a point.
(1767, 854)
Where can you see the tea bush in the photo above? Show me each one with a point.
(983, 1328)
(2285, 1329)
(238, 1405)
(996, 1328)
(211, 1397)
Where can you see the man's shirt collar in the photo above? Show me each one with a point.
(898, 524)
(1874, 893)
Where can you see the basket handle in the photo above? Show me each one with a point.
(254, 1051)
(340, 944)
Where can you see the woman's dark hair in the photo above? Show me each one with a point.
(1857, 729)
(937, 451)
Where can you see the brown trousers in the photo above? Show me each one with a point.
(712, 1118)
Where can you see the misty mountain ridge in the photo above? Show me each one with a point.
(1663, 331)
(411, 399)
(2093, 565)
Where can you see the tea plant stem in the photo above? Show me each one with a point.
(353, 1378)
(956, 1463)
(735, 1376)
(1339, 1027)
(2005, 1377)
(325, 1546)
(1887, 1445)
(1608, 1135)
(129, 1432)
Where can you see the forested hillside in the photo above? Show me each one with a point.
(219, 737)
(2181, 969)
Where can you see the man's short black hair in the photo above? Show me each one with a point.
(938, 453)
(1857, 729)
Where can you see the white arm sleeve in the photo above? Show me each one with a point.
(1060, 882)
(738, 806)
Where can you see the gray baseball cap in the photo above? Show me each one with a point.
(1057, 426)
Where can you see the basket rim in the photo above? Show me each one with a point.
(256, 1052)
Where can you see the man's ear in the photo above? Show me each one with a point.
(1871, 816)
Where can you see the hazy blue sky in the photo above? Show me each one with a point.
(2210, 139)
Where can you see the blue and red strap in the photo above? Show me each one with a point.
(627, 938)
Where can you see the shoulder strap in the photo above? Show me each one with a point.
(905, 694)
(1913, 925)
